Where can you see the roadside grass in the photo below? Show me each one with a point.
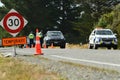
(14, 69)
(82, 46)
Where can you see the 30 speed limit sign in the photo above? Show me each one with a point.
(13, 22)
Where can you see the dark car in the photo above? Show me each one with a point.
(54, 38)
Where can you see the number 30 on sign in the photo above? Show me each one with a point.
(13, 22)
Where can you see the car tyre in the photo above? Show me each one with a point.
(115, 47)
(95, 46)
(109, 47)
(46, 46)
(90, 46)
(63, 46)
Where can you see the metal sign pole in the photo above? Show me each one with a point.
(14, 53)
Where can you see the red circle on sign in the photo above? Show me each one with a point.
(5, 22)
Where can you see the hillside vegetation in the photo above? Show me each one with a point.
(111, 20)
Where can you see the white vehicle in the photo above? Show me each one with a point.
(102, 38)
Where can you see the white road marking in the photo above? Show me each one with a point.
(89, 61)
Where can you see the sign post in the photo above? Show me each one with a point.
(13, 23)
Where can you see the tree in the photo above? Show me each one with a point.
(75, 18)
(112, 21)
(115, 26)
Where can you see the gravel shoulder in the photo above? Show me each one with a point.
(72, 71)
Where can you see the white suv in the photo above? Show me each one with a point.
(102, 38)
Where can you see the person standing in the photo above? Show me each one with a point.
(31, 39)
(41, 37)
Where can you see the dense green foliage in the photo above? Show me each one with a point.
(75, 18)
(111, 20)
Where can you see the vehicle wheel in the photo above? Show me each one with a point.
(109, 47)
(115, 47)
(62, 46)
(46, 46)
(90, 47)
(95, 46)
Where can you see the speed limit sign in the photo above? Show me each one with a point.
(13, 22)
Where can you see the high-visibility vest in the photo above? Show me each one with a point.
(40, 34)
(31, 36)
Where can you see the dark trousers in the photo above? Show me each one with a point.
(31, 43)
(41, 42)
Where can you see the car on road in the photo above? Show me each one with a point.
(55, 38)
(102, 38)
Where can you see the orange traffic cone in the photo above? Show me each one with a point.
(52, 45)
(45, 46)
(32, 46)
(27, 46)
(37, 46)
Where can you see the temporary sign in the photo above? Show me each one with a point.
(14, 41)
(13, 22)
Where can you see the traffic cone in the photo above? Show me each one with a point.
(52, 45)
(27, 46)
(45, 46)
(37, 45)
(32, 46)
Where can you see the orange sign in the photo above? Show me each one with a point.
(14, 41)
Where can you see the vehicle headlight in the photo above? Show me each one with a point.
(98, 40)
(63, 38)
(47, 38)
(115, 40)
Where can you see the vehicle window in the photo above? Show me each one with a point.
(54, 34)
(103, 32)
(93, 33)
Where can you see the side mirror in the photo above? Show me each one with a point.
(115, 34)
(93, 34)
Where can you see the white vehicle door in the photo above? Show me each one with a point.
(92, 37)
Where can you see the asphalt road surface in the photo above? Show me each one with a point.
(102, 58)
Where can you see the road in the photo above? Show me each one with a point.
(102, 58)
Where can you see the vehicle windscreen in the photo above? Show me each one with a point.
(104, 32)
(54, 34)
